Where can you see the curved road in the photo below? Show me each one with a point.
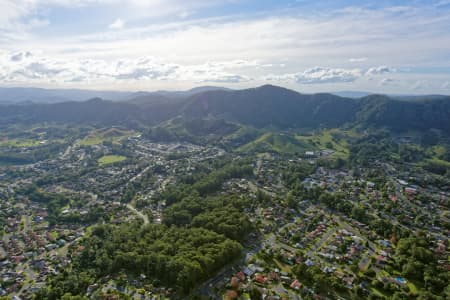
(141, 215)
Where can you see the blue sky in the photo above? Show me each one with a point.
(309, 46)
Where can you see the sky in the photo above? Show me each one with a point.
(397, 46)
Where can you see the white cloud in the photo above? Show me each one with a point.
(224, 48)
(327, 75)
(15, 13)
(218, 72)
(380, 70)
(117, 24)
(420, 85)
(400, 9)
(446, 85)
(19, 56)
(386, 81)
(357, 59)
(184, 14)
(11, 10)
(25, 66)
(442, 3)
(225, 78)
(319, 75)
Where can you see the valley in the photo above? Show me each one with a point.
(212, 208)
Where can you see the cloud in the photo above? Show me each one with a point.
(27, 67)
(17, 15)
(358, 59)
(217, 71)
(210, 45)
(117, 24)
(327, 75)
(225, 78)
(380, 70)
(12, 10)
(184, 14)
(145, 68)
(386, 81)
(320, 75)
(420, 85)
(20, 56)
(400, 9)
(442, 3)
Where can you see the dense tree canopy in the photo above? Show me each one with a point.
(176, 257)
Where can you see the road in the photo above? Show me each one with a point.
(272, 241)
(67, 152)
(258, 166)
(281, 290)
(141, 215)
(207, 287)
(254, 189)
(365, 261)
(320, 243)
(140, 174)
(363, 264)
(27, 223)
(31, 274)
(164, 184)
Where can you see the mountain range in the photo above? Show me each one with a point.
(263, 107)
(20, 95)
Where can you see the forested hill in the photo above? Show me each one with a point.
(398, 115)
(266, 106)
(273, 106)
(94, 111)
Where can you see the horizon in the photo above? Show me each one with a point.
(386, 47)
(224, 149)
(340, 93)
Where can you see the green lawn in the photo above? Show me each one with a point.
(378, 292)
(110, 159)
(412, 288)
(439, 150)
(297, 143)
(324, 140)
(90, 141)
(246, 296)
(439, 162)
(54, 234)
(99, 136)
(19, 143)
(280, 143)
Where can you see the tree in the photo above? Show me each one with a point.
(255, 293)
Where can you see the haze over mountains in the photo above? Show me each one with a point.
(265, 106)
(13, 95)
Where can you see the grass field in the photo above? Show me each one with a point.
(325, 140)
(110, 159)
(298, 144)
(19, 143)
(99, 136)
(90, 141)
(280, 143)
(379, 293)
(440, 162)
(412, 288)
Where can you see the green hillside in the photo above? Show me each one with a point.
(264, 107)
(277, 142)
(106, 134)
(298, 144)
